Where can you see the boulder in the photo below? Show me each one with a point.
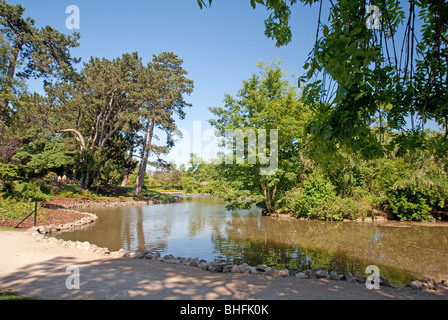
(274, 272)
(251, 270)
(431, 284)
(235, 269)
(418, 285)
(334, 276)
(149, 256)
(301, 275)
(349, 277)
(203, 264)
(244, 268)
(216, 267)
(192, 262)
(321, 274)
(228, 268)
(362, 279)
(384, 282)
(168, 257)
(311, 273)
(262, 268)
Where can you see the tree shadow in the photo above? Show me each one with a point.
(130, 279)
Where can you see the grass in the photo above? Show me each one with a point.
(9, 229)
(11, 295)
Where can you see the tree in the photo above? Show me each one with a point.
(163, 97)
(30, 52)
(363, 73)
(102, 113)
(266, 102)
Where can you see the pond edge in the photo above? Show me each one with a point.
(44, 234)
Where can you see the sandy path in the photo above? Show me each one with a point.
(39, 270)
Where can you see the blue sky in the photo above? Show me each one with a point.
(220, 45)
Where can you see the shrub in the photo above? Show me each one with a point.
(415, 195)
(314, 200)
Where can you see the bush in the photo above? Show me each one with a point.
(314, 200)
(412, 192)
(415, 195)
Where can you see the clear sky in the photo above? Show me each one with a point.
(220, 45)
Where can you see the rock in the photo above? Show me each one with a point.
(120, 253)
(301, 275)
(334, 276)
(173, 261)
(431, 284)
(244, 268)
(384, 282)
(262, 268)
(274, 272)
(362, 279)
(168, 257)
(137, 254)
(349, 277)
(149, 256)
(38, 237)
(94, 246)
(311, 273)
(104, 251)
(203, 264)
(321, 274)
(85, 245)
(251, 270)
(44, 229)
(418, 285)
(445, 282)
(216, 267)
(236, 269)
(228, 268)
(192, 263)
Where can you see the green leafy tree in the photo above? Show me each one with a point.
(102, 113)
(28, 52)
(266, 101)
(164, 87)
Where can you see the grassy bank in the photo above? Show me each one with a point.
(14, 207)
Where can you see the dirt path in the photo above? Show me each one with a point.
(39, 270)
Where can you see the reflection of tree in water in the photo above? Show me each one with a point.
(297, 245)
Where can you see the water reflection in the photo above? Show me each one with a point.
(201, 227)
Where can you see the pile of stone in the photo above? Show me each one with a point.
(272, 271)
(90, 218)
(43, 234)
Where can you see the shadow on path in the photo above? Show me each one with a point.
(121, 279)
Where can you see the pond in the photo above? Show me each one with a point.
(200, 226)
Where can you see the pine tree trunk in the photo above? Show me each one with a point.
(145, 154)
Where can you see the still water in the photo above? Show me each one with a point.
(200, 226)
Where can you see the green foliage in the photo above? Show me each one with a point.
(13, 209)
(189, 184)
(314, 199)
(412, 192)
(9, 172)
(149, 183)
(266, 101)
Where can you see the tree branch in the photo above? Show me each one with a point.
(78, 136)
